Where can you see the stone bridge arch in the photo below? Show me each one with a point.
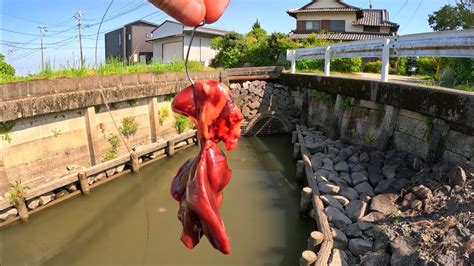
(268, 123)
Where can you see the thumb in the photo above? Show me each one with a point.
(188, 12)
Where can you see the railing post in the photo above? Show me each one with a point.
(327, 61)
(385, 60)
(291, 54)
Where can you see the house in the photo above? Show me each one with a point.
(128, 43)
(171, 40)
(338, 21)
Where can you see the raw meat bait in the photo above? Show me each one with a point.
(200, 181)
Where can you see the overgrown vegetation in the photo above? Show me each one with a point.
(370, 139)
(56, 132)
(112, 152)
(346, 103)
(129, 126)
(364, 111)
(326, 98)
(163, 114)
(17, 192)
(6, 70)
(5, 130)
(112, 67)
(428, 121)
(182, 123)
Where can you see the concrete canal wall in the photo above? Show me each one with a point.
(433, 123)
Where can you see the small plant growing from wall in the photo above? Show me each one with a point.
(429, 127)
(169, 97)
(112, 152)
(370, 139)
(353, 132)
(163, 114)
(346, 103)
(182, 123)
(132, 103)
(5, 130)
(326, 98)
(56, 132)
(17, 193)
(364, 111)
(129, 126)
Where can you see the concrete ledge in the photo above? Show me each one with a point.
(451, 105)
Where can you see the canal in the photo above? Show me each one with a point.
(260, 211)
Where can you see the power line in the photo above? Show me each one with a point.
(416, 11)
(401, 8)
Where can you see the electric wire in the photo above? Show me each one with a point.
(414, 13)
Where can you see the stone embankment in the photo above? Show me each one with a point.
(387, 208)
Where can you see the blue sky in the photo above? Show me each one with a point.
(62, 45)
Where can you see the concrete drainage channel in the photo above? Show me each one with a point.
(83, 180)
(382, 208)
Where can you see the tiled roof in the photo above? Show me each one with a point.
(312, 10)
(341, 36)
(375, 17)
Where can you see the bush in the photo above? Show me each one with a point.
(129, 126)
(346, 65)
(182, 123)
(427, 66)
(5, 68)
(373, 67)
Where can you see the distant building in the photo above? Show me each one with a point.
(337, 21)
(128, 43)
(170, 42)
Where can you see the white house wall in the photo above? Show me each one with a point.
(201, 50)
(348, 17)
(158, 46)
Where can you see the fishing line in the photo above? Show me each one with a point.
(145, 202)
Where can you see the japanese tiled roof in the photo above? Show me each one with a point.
(341, 36)
(375, 17)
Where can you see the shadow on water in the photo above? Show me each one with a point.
(109, 228)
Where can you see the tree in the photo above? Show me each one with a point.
(5, 68)
(451, 18)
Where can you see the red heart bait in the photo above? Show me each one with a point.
(200, 181)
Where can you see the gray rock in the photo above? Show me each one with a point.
(365, 188)
(316, 147)
(374, 169)
(316, 162)
(353, 231)
(382, 235)
(71, 188)
(321, 175)
(375, 179)
(349, 193)
(384, 203)
(377, 157)
(364, 225)
(356, 209)
(403, 252)
(390, 171)
(383, 186)
(343, 200)
(364, 157)
(328, 188)
(331, 201)
(110, 172)
(405, 173)
(340, 239)
(342, 167)
(359, 177)
(120, 168)
(346, 177)
(353, 159)
(359, 246)
(101, 176)
(46, 198)
(336, 217)
(33, 203)
(422, 192)
(61, 194)
(338, 258)
(8, 214)
(329, 167)
(373, 217)
(91, 180)
(359, 167)
(375, 259)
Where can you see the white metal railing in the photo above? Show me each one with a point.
(442, 44)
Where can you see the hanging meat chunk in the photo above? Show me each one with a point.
(200, 181)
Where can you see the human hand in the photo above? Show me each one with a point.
(193, 12)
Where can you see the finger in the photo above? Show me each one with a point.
(188, 12)
(215, 9)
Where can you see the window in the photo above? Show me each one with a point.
(120, 39)
(313, 25)
(372, 28)
(129, 36)
(337, 25)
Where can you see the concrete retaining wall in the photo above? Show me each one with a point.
(433, 123)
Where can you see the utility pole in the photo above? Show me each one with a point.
(42, 30)
(79, 17)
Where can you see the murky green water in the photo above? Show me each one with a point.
(260, 211)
